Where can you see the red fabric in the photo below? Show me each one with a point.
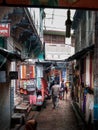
(79, 3)
(44, 83)
(44, 87)
(32, 71)
(32, 99)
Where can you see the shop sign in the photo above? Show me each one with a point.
(5, 29)
(13, 75)
(58, 51)
(30, 88)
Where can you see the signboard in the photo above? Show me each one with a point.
(4, 29)
(89, 4)
(58, 51)
(13, 75)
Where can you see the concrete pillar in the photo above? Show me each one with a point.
(13, 86)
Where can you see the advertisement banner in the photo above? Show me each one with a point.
(58, 51)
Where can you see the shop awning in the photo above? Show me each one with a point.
(9, 54)
(79, 54)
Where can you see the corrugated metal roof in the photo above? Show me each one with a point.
(79, 54)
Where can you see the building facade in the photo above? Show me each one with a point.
(22, 43)
(84, 30)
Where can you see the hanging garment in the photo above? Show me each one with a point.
(89, 107)
(32, 99)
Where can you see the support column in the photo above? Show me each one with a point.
(12, 88)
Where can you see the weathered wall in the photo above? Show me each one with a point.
(4, 106)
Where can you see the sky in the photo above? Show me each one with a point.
(55, 20)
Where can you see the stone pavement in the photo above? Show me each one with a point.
(61, 118)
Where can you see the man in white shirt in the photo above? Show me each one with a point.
(55, 94)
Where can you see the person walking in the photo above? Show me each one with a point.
(50, 88)
(62, 88)
(55, 94)
(66, 90)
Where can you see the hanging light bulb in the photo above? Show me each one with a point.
(68, 24)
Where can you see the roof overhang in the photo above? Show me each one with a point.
(10, 55)
(87, 4)
(79, 54)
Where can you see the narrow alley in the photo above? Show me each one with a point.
(61, 118)
(42, 43)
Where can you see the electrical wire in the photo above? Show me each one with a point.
(55, 15)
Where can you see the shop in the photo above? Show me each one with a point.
(32, 87)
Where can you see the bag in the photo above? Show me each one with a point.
(62, 87)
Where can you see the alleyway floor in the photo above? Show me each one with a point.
(61, 118)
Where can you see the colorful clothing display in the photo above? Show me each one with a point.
(32, 99)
